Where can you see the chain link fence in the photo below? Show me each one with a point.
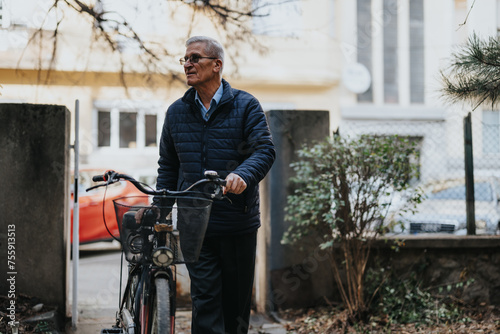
(441, 164)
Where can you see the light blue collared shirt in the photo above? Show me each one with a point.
(213, 104)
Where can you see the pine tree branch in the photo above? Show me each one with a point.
(474, 74)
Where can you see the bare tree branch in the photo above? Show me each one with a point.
(232, 19)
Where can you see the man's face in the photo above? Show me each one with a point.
(202, 72)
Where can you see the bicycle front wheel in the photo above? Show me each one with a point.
(161, 308)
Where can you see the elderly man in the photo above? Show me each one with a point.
(216, 127)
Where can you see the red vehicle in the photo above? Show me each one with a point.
(92, 227)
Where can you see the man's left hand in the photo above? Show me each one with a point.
(234, 184)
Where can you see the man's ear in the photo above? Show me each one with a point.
(218, 65)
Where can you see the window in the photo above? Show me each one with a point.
(126, 128)
(417, 51)
(104, 128)
(364, 36)
(491, 131)
(391, 68)
(150, 124)
(381, 28)
(277, 18)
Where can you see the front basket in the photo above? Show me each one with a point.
(190, 217)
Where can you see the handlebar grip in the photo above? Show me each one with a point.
(98, 178)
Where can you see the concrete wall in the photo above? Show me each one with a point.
(283, 277)
(34, 156)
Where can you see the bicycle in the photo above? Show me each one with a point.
(154, 240)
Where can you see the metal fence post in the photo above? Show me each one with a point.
(469, 177)
(76, 219)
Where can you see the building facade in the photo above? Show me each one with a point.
(372, 63)
(296, 68)
(403, 45)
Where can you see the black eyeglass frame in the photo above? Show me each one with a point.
(194, 59)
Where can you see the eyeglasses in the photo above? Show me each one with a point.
(194, 59)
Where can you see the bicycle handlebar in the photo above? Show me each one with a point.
(111, 176)
(98, 178)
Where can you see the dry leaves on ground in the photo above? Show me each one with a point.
(326, 320)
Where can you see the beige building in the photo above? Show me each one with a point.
(120, 127)
(368, 62)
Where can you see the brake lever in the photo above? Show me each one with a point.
(97, 186)
(219, 195)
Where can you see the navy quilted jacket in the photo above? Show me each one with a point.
(235, 139)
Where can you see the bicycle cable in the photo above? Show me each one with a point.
(104, 208)
(104, 215)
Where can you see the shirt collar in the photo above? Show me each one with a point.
(217, 96)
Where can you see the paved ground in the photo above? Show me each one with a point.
(259, 324)
(99, 278)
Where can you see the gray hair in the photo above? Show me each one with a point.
(212, 47)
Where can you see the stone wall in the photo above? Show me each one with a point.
(447, 260)
(34, 156)
(436, 261)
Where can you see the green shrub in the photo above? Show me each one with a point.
(344, 189)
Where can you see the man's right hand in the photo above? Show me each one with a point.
(234, 184)
(140, 214)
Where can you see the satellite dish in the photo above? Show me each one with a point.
(356, 78)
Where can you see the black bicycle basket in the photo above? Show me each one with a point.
(189, 216)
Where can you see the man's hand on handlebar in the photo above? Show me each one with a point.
(140, 214)
(234, 184)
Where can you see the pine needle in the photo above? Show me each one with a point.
(474, 73)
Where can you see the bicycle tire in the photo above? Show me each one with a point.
(161, 307)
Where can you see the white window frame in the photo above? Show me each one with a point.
(141, 108)
(378, 23)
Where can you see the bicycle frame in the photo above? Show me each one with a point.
(139, 320)
(152, 251)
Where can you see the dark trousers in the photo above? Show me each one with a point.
(221, 284)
